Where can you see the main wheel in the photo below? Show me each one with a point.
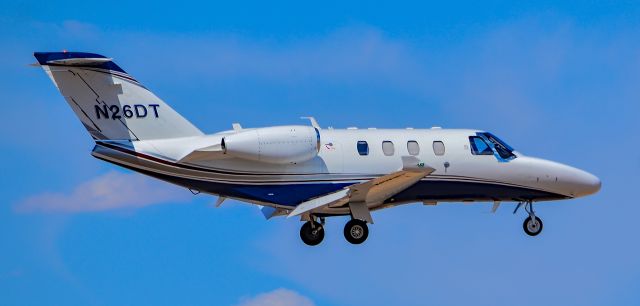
(532, 227)
(312, 235)
(356, 231)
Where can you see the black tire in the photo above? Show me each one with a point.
(356, 231)
(312, 235)
(532, 229)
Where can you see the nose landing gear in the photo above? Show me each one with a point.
(532, 225)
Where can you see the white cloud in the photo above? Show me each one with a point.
(113, 190)
(278, 297)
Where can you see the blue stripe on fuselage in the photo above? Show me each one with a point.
(294, 194)
(289, 195)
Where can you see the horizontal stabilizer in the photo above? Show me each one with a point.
(80, 61)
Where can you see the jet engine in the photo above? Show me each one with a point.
(276, 145)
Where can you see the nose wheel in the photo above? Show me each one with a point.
(356, 231)
(532, 224)
(312, 233)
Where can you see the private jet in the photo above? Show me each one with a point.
(304, 171)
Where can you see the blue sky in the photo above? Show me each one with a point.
(557, 80)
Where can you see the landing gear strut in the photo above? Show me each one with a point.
(312, 233)
(532, 225)
(356, 231)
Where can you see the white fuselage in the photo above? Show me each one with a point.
(459, 175)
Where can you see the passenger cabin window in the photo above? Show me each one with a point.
(363, 148)
(413, 147)
(479, 146)
(438, 148)
(387, 148)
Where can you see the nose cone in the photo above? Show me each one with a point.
(584, 183)
(560, 178)
(573, 181)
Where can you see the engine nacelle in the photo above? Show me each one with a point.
(276, 145)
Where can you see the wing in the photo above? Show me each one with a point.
(370, 193)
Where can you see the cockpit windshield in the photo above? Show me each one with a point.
(502, 148)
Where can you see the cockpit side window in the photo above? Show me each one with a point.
(502, 148)
(479, 146)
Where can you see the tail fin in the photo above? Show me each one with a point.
(111, 104)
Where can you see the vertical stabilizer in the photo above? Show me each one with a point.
(111, 104)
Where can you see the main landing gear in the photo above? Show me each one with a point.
(532, 224)
(355, 231)
(312, 233)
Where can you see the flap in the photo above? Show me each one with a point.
(324, 200)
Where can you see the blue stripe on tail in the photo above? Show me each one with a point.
(44, 57)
